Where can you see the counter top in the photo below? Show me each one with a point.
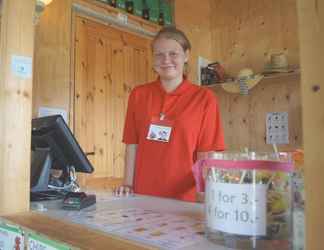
(103, 226)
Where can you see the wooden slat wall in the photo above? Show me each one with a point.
(244, 34)
(94, 93)
(194, 18)
(17, 39)
(53, 76)
(311, 27)
(244, 117)
(118, 102)
(108, 64)
(51, 85)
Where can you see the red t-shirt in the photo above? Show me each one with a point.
(164, 169)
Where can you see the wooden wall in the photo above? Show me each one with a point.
(56, 76)
(17, 40)
(311, 27)
(53, 76)
(244, 34)
(54, 69)
(52, 72)
(108, 64)
(244, 117)
(194, 18)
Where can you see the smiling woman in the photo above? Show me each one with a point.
(169, 60)
(170, 53)
(170, 122)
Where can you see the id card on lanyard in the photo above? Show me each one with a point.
(160, 129)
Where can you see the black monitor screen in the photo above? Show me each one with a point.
(52, 132)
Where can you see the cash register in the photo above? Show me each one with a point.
(55, 159)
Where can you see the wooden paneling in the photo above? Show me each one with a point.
(55, 79)
(108, 63)
(17, 39)
(117, 101)
(244, 117)
(53, 76)
(238, 34)
(246, 32)
(194, 18)
(51, 86)
(311, 34)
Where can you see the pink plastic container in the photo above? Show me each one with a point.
(248, 199)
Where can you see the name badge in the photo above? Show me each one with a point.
(159, 130)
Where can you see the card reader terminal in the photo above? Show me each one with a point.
(78, 200)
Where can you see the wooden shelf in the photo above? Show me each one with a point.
(104, 8)
(282, 75)
(274, 76)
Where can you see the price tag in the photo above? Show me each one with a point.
(37, 242)
(11, 237)
(236, 208)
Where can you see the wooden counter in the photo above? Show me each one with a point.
(57, 224)
(73, 234)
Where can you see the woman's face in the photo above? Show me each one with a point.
(169, 59)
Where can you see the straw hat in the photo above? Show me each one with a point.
(245, 80)
(278, 63)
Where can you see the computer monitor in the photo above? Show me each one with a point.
(54, 147)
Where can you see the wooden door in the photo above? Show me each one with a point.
(108, 64)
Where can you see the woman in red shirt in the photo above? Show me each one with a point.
(170, 123)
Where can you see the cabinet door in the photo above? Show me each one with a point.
(108, 64)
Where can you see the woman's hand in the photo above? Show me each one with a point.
(126, 189)
(123, 190)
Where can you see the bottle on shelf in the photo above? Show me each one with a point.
(146, 11)
(161, 19)
(161, 14)
(113, 3)
(130, 7)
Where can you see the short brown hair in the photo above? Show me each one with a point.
(171, 32)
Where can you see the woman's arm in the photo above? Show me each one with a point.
(127, 186)
(200, 197)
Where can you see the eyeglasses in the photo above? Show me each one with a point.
(170, 54)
